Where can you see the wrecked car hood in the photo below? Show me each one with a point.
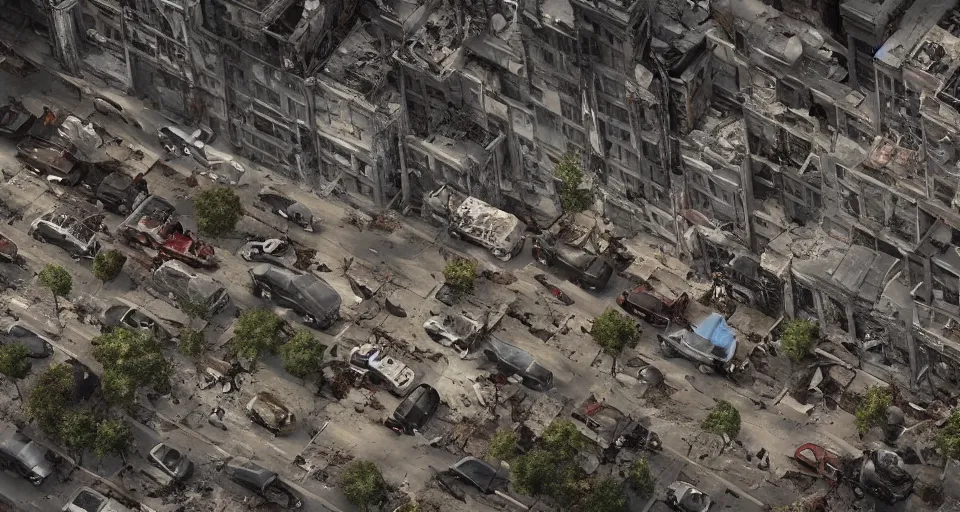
(499, 229)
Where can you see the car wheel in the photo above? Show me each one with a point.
(264, 294)
(542, 258)
(668, 351)
(309, 319)
(38, 237)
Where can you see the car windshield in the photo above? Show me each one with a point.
(82, 232)
(19, 332)
(171, 458)
(64, 221)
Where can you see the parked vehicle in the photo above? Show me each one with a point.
(488, 479)
(585, 269)
(452, 330)
(59, 146)
(127, 315)
(272, 250)
(397, 376)
(23, 456)
(263, 482)
(76, 236)
(171, 461)
(195, 144)
(711, 342)
(653, 308)
(268, 411)
(611, 429)
(684, 497)
(154, 225)
(15, 120)
(109, 108)
(9, 252)
(289, 209)
(820, 460)
(495, 230)
(86, 499)
(176, 280)
(118, 192)
(85, 382)
(881, 473)
(305, 293)
(511, 360)
(415, 411)
(38, 345)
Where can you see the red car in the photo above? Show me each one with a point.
(824, 462)
(653, 307)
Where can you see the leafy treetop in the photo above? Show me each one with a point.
(363, 484)
(56, 279)
(218, 210)
(503, 445)
(798, 338)
(872, 408)
(302, 355)
(948, 439)
(131, 359)
(78, 432)
(108, 264)
(257, 333)
(460, 274)
(613, 331)
(640, 479)
(14, 361)
(50, 396)
(723, 419)
(572, 198)
(192, 342)
(605, 495)
(114, 437)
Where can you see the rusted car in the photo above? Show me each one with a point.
(268, 411)
(154, 225)
(821, 461)
(611, 429)
(653, 307)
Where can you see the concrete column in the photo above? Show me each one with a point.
(65, 42)
(852, 61)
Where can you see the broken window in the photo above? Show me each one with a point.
(943, 191)
(946, 285)
(266, 94)
(570, 111)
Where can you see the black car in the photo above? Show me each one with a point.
(512, 360)
(287, 208)
(488, 479)
(119, 193)
(263, 482)
(415, 411)
(654, 308)
(583, 268)
(25, 457)
(304, 293)
(37, 345)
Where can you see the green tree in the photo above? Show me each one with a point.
(108, 264)
(195, 310)
(192, 342)
(51, 394)
(872, 408)
(363, 484)
(56, 279)
(218, 210)
(573, 199)
(605, 495)
(723, 419)
(503, 445)
(460, 274)
(536, 473)
(562, 440)
(798, 338)
(302, 355)
(257, 333)
(948, 439)
(613, 331)
(15, 364)
(131, 360)
(640, 479)
(114, 437)
(78, 433)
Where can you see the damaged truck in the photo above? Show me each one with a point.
(477, 222)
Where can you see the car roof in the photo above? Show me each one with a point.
(245, 470)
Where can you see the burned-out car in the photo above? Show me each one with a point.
(153, 224)
(263, 482)
(395, 374)
(119, 192)
(452, 329)
(415, 411)
(512, 360)
(59, 147)
(171, 461)
(9, 252)
(268, 411)
(611, 429)
(305, 293)
(709, 342)
(86, 499)
(292, 210)
(126, 315)
(176, 280)
(37, 345)
(478, 473)
(585, 269)
(477, 222)
(654, 308)
(178, 141)
(684, 497)
(271, 250)
(25, 457)
(821, 461)
(880, 473)
(76, 236)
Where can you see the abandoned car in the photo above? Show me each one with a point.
(499, 232)
(281, 205)
(15, 120)
(272, 250)
(415, 411)
(488, 479)
(369, 358)
(59, 149)
(153, 224)
(178, 141)
(76, 236)
(37, 345)
(179, 282)
(452, 329)
(86, 499)
(881, 473)
(653, 308)
(611, 429)
(511, 360)
(820, 460)
(125, 314)
(266, 410)
(25, 457)
(305, 293)
(684, 497)
(119, 193)
(263, 482)
(171, 461)
(579, 266)
(9, 252)
(710, 342)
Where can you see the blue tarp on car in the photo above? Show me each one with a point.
(715, 329)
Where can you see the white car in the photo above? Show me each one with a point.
(370, 358)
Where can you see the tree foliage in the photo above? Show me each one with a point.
(604, 495)
(573, 199)
(302, 355)
(798, 338)
(551, 470)
(48, 399)
(114, 437)
(872, 408)
(563, 440)
(613, 331)
(257, 333)
(948, 438)
(536, 473)
(56, 279)
(131, 359)
(363, 484)
(640, 479)
(723, 419)
(503, 445)
(460, 274)
(108, 264)
(15, 363)
(193, 309)
(78, 433)
(192, 342)
(218, 210)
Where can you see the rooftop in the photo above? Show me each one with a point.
(679, 27)
(937, 54)
(360, 63)
(916, 22)
(436, 46)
